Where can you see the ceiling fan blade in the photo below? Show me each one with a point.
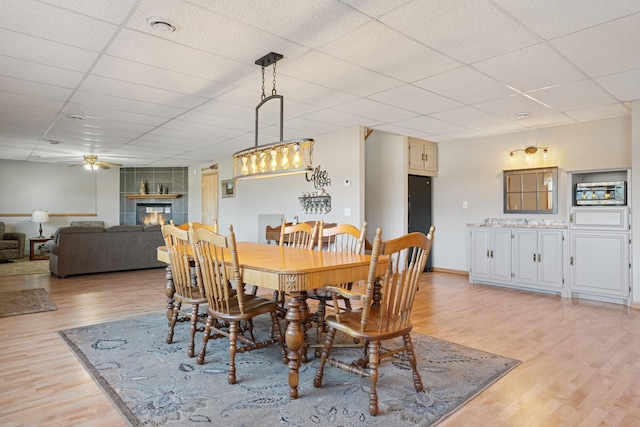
(101, 165)
(111, 164)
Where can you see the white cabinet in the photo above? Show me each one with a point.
(537, 258)
(423, 157)
(491, 254)
(518, 257)
(599, 263)
(599, 252)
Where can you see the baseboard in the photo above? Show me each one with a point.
(635, 305)
(450, 271)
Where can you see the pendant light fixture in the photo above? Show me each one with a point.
(293, 156)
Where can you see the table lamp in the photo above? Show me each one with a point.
(40, 216)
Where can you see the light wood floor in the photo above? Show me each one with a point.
(581, 359)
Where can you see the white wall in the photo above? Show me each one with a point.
(103, 194)
(341, 154)
(386, 185)
(635, 196)
(471, 170)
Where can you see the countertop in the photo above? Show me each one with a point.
(520, 223)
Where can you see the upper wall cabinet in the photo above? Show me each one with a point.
(531, 190)
(423, 157)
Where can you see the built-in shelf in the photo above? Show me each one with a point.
(153, 196)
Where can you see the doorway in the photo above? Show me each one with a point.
(419, 199)
(209, 197)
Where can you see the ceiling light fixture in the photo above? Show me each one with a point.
(90, 162)
(76, 117)
(161, 25)
(529, 151)
(280, 158)
(523, 115)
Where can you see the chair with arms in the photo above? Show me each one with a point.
(343, 238)
(187, 289)
(386, 320)
(218, 269)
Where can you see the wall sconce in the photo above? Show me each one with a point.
(529, 151)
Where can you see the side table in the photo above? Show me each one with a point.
(36, 248)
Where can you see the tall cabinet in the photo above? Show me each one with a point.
(599, 256)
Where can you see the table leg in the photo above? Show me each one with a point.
(294, 337)
(169, 290)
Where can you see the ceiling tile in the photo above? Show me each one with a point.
(56, 24)
(378, 47)
(39, 73)
(605, 49)
(623, 86)
(34, 49)
(598, 112)
(510, 106)
(414, 99)
(374, 110)
(141, 93)
(150, 50)
(467, 30)
(429, 125)
(125, 105)
(573, 96)
(553, 19)
(469, 117)
(465, 85)
(309, 24)
(530, 68)
(327, 71)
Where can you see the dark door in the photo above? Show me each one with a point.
(420, 208)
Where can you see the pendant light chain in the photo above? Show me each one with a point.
(273, 91)
(263, 94)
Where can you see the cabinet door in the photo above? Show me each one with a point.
(525, 257)
(550, 259)
(431, 159)
(599, 263)
(416, 156)
(500, 254)
(480, 251)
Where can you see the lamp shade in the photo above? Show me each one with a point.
(40, 216)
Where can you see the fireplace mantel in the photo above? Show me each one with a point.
(152, 196)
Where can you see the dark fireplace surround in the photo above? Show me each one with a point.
(134, 207)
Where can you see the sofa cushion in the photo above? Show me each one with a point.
(9, 244)
(124, 228)
(79, 230)
(87, 224)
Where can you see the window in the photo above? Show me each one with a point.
(531, 190)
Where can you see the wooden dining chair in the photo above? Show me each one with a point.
(218, 269)
(387, 319)
(302, 235)
(344, 238)
(188, 290)
(213, 227)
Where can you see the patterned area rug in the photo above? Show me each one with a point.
(154, 383)
(24, 266)
(13, 303)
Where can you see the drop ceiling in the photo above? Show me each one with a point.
(435, 69)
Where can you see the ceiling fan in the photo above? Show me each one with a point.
(91, 163)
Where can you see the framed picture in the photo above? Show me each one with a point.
(228, 188)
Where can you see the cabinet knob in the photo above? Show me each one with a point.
(491, 253)
(534, 257)
(570, 260)
(539, 258)
(487, 253)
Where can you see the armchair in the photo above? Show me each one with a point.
(11, 244)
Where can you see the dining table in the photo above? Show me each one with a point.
(294, 271)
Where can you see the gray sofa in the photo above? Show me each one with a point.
(82, 250)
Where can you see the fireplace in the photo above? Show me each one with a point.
(153, 213)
